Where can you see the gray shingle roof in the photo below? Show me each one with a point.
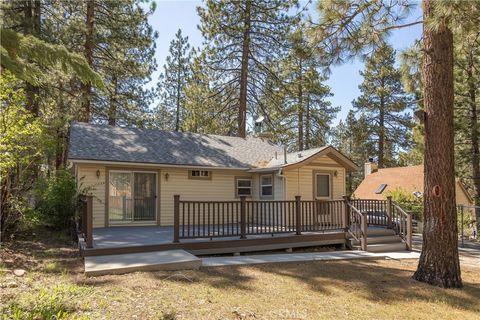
(107, 143)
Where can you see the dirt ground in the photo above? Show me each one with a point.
(54, 287)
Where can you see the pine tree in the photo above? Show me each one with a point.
(351, 137)
(173, 80)
(241, 37)
(353, 28)
(306, 111)
(384, 102)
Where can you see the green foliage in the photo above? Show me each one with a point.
(58, 200)
(172, 82)
(408, 202)
(27, 57)
(351, 137)
(295, 100)
(21, 134)
(384, 103)
(242, 37)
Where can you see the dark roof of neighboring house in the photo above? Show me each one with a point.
(108, 143)
(408, 179)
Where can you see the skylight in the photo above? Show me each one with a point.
(380, 188)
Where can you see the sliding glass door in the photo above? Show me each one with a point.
(132, 196)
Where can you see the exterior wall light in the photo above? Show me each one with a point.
(98, 174)
(166, 176)
(335, 173)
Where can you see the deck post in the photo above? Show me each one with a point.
(298, 215)
(346, 213)
(176, 218)
(364, 227)
(243, 218)
(89, 222)
(389, 211)
(409, 231)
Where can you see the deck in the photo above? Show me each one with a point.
(116, 240)
(212, 227)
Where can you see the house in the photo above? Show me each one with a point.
(133, 174)
(379, 182)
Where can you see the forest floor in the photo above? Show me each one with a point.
(54, 286)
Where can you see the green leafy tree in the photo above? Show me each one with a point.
(22, 138)
(173, 81)
(383, 102)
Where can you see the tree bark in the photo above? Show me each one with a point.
(31, 25)
(381, 133)
(242, 108)
(112, 111)
(308, 123)
(86, 88)
(472, 91)
(439, 263)
(300, 109)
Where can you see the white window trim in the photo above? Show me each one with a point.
(329, 185)
(237, 187)
(266, 185)
(200, 177)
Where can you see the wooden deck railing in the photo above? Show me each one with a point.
(86, 219)
(241, 218)
(211, 219)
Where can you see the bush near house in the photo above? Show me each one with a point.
(408, 202)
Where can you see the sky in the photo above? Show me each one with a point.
(344, 80)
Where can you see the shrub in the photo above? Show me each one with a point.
(58, 200)
(408, 202)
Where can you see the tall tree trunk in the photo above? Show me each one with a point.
(242, 108)
(308, 123)
(86, 88)
(31, 25)
(381, 134)
(439, 264)
(474, 127)
(300, 110)
(112, 110)
(177, 111)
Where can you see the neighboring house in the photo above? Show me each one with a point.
(378, 182)
(134, 173)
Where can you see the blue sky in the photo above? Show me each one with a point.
(170, 16)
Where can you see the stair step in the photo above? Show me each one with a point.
(384, 247)
(380, 232)
(380, 240)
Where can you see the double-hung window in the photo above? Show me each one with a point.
(266, 185)
(243, 187)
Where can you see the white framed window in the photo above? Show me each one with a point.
(322, 186)
(200, 174)
(266, 185)
(243, 187)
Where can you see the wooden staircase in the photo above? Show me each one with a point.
(380, 240)
(378, 225)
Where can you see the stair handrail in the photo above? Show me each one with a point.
(402, 223)
(361, 233)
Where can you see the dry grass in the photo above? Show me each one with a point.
(311, 290)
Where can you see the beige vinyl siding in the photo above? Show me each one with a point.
(87, 180)
(220, 188)
(300, 180)
(278, 187)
